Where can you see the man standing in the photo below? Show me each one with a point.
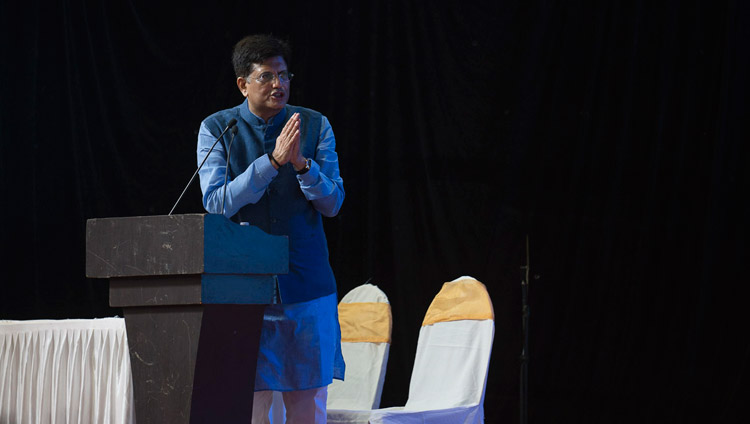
(283, 175)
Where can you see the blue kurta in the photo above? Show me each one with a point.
(300, 341)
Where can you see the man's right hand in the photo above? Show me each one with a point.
(287, 143)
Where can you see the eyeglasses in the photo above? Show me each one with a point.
(267, 77)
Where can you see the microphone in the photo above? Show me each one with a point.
(232, 123)
(226, 168)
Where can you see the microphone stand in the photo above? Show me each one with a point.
(226, 168)
(525, 330)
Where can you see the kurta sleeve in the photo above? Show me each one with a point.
(247, 188)
(322, 184)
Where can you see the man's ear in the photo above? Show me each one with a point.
(242, 85)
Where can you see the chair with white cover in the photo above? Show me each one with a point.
(366, 324)
(450, 369)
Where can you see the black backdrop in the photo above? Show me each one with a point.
(611, 133)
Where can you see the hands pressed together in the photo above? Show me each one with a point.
(287, 145)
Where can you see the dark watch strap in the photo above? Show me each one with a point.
(306, 168)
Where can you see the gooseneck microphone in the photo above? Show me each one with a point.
(226, 168)
(232, 123)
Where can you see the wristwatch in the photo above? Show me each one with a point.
(308, 161)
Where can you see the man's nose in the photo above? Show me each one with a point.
(277, 81)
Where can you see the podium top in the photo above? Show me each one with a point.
(181, 244)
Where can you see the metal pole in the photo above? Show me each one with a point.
(525, 332)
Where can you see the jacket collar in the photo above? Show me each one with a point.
(256, 121)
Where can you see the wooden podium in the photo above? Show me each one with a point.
(192, 289)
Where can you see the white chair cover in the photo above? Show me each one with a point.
(367, 357)
(66, 371)
(450, 369)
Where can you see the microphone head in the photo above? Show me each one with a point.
(234, 129)
(232, 122)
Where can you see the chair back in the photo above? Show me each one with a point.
(366, 325)
(453, 349)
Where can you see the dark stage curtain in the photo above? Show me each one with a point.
(610, 133)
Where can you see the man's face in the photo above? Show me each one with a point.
(266, 97)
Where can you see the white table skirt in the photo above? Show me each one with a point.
(65, 371)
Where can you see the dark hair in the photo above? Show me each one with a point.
(254, 49)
